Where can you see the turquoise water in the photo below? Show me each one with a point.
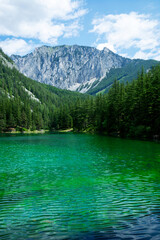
(78, 186)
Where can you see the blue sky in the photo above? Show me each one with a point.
(128, 28)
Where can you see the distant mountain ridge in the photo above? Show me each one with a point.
(68, 67)
(125, 74)
(77, 68)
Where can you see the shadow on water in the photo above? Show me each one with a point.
(147, 228)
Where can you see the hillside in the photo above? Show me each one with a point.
(25, 103)
(127, 110)
(125, 74)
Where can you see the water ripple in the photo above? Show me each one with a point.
(74, 186)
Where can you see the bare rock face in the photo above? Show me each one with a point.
(69, 67)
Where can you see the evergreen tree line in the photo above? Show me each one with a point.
(130, 110)
(27, 104)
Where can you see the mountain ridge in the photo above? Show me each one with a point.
(79, 68)
(68, 67)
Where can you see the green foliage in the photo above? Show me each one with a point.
(5, 56)
(130, 110)
(27, 104)
(124, 74)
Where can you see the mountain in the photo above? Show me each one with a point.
(124, 74)
(79, 68)
(25, 103)
(7, 61)
(131, 110)
(69, 67)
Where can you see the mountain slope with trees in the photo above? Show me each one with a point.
(124, 74)
(25, 103)
(127, 110)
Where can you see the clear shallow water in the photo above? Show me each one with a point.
(77, 186)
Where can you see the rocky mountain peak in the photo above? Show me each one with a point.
(69, 67)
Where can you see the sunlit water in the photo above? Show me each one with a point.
(78, 186)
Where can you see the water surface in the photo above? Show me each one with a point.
(78, 186)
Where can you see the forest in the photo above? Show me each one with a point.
(127, 110)
(130, 110)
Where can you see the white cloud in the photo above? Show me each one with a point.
(126, 31)
(101, 46)
(148, 55)
(45, 20)
(72, 30)
(17, 46)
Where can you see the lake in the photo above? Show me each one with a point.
(78, 186)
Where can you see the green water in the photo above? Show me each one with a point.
(78, 186)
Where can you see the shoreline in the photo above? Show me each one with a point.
(43, 131)
(25, 132)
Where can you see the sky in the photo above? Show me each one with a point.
(128, 28)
